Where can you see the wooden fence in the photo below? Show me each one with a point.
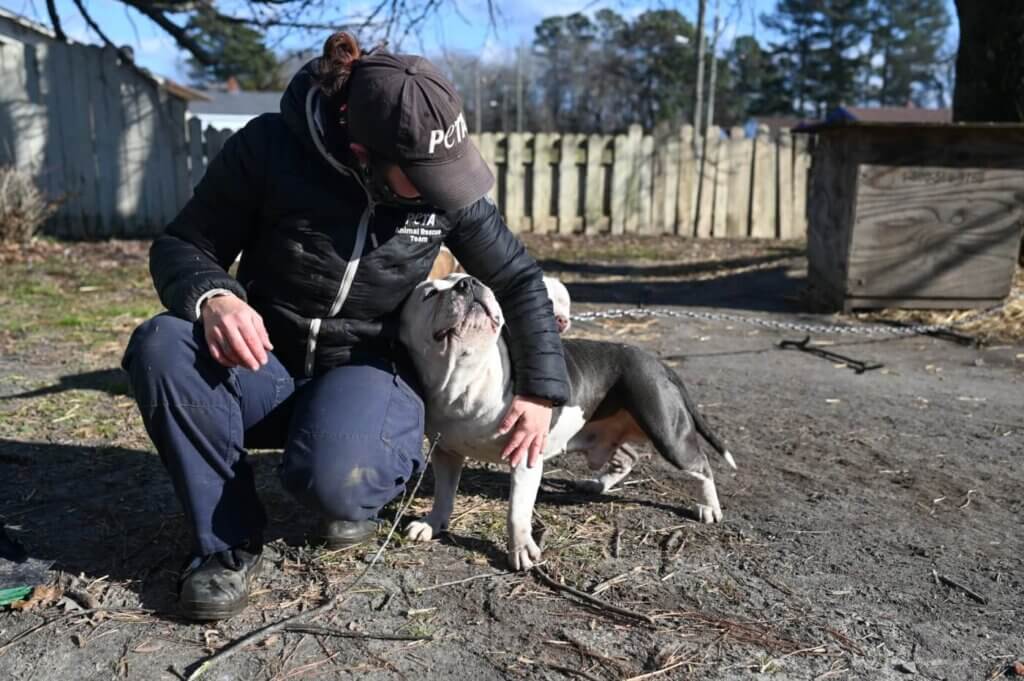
(101, 138)
(633, 183)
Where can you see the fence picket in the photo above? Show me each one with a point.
(515, 179)
(706, 177)
(646, 187)
(568, 184)
(721, 185)
(763, 204)
(784, 155)
(593, 206)
(687, 190)
(741, 150)
(634, 159)
(668, 175)
(620, 184)
(801, 166)
(540, 208)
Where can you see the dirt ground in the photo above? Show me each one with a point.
(872, 530)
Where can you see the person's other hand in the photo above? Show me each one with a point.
(235, 333)
(528, 419)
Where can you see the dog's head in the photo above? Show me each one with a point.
(561, 303)
(450, 319)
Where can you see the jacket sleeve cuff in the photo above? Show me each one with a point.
(185, 301)
(555, 392)
(212, 293)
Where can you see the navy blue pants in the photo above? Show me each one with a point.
(351, 437)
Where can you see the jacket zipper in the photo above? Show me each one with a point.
(357, 250)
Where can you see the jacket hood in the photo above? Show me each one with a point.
(299, 105)
(293, 101)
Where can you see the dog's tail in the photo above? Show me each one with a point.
(702, 426)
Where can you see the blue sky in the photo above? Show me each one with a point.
(468, 29)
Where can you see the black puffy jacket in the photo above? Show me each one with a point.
(327, 268)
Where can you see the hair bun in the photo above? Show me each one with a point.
(341, 51)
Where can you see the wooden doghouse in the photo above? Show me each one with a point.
(914, 215)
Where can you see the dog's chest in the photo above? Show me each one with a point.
(478, 438)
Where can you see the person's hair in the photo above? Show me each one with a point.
(341, 51)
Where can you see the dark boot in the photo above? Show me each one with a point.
(216, 587)
(340, 534)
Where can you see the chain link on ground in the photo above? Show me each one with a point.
(804, 327)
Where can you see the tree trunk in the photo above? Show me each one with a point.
(990, 61)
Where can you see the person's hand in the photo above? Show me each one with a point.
(528, 419)
(234, 332)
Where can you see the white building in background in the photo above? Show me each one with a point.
(231, 108)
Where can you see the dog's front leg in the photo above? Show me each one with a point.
(447, 471)
(523, 552)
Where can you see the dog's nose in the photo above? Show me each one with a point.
(467, 284)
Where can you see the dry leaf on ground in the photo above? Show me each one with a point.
(42, 597)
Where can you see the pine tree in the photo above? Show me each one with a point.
(755, 84)
(907, 38)
(660, 61)
(824, 51)
(795, 54)
(239, 52)
(842, 30)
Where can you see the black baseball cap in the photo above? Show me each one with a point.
(403, 110)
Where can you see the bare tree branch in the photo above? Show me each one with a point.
(51, 8)
(124, 54)
(177, 32)
(388, 19)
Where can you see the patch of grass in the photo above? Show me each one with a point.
(72, 321)
(85, 297)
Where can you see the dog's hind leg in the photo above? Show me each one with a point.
(667, 420)
(447, 471)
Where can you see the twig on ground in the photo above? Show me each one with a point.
(609, 583)
(950, 582)
(617, 542)
(584, 649)
(260, 634)
(491, 575)
(338, 633)
(845, 641)
(590, 600)
(658, 672)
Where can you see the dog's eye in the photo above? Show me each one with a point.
(429, 293)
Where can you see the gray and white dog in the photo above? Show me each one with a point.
(619, 394)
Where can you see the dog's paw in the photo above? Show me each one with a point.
(420, 530)
(708, 514)
(523, 556)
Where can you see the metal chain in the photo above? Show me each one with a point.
(839, 329)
